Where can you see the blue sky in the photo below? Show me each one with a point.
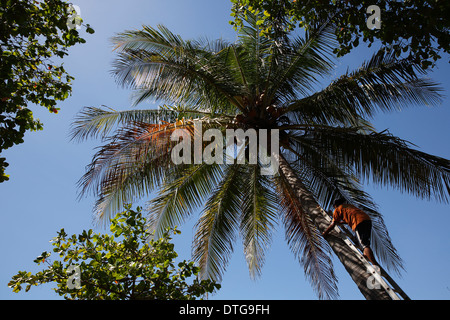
(41, 196)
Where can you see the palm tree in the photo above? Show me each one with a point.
(328, 148)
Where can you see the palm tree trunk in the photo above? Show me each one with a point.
(346, 255)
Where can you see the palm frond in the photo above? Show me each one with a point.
(181, 193)
(218, 225)
(295, 71)
(130, 166)
(160, 65)
(252, 56)
(259, 208)
(92, 122)
(386, 160)
(383, 83)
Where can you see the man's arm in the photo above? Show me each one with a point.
(330, 227)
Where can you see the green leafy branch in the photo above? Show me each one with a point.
(124, 265)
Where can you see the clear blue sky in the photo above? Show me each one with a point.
(41, 196)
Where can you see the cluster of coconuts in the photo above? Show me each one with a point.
(263, 118)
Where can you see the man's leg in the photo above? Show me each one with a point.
(363, 232)
(368, 254)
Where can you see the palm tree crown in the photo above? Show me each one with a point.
(259, 83)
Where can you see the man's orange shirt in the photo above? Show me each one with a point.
(350, 215)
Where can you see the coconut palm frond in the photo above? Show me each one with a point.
(384, 159)
(92, 122)
(181, 195)
(251, 56)
(137, 151)
(259, 211)
(381, 84)
(295, 71)
(218, 225)
(160, 65)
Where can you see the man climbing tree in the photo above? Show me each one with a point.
(358, 220)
